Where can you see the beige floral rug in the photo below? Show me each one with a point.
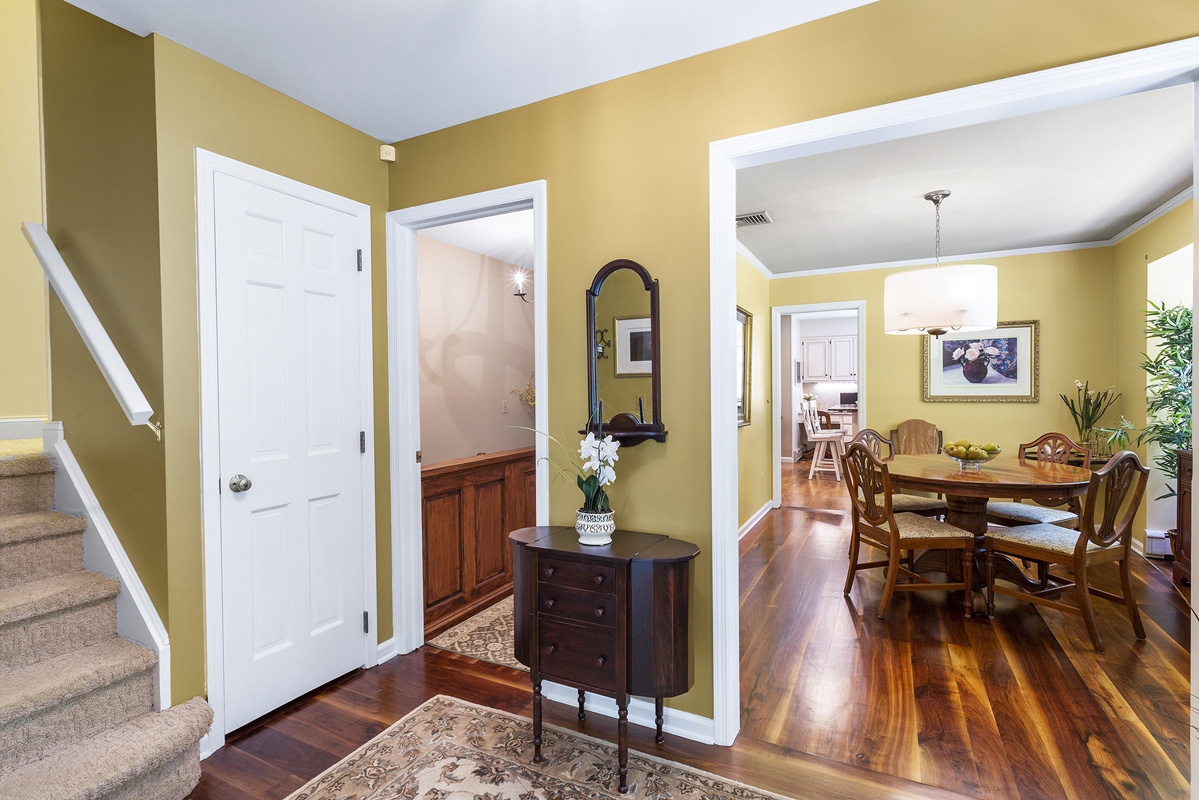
(487, 636)
(449, 749)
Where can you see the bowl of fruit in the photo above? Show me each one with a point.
(971, 455)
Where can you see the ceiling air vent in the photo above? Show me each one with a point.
(756, 218)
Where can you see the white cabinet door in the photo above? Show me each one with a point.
(815, 359)
(291, 408)
(844, 358)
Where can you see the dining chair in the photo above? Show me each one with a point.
(876, 521)
(1056, 448)
(916, 437)
(875, 442)
(1103, 535)
(830, 444)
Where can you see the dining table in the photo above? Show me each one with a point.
(967, 490)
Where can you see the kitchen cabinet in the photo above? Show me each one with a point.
(844, 352)
(830, 359)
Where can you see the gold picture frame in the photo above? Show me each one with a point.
(745, 350)
(1010, 375)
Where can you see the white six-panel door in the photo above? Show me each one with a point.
(291, 411)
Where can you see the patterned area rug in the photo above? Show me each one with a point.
(487, 636)
(449, 748)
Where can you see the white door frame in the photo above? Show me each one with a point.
(1113, 76)
(403, 373)
(776, 377)
(207, 166)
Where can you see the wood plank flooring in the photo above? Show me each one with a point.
(1015, 707)
(836, 703)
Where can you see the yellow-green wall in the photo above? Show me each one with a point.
(23, 357)
(102, 213)
(622, 295)
(754, 475)
(626, 164)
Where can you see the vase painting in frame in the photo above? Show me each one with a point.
(1000, 365)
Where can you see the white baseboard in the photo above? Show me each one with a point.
(387, 650)
(137, 619)
(1156, 545)
(641, 712)
(754, 520)
(787, 460)
(206, 748)
(21, 428)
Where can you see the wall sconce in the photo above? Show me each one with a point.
(518, 278)
(936, 300)
(602, 343)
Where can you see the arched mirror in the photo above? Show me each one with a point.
(624, 375)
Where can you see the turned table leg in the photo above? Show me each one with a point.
(582, 704)
(537, 721)
(622, 740)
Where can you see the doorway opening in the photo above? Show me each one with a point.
(466, 280)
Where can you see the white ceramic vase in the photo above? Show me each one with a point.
(595, 527)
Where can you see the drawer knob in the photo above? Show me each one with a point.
(599, 579)
(599, 612)
(551, 649)
(549, 603)
(549, 571)
(600, 661)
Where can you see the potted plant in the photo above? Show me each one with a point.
(1088, 409)
(594, 519)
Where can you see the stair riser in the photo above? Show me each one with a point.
(22, 494)
(27, 739)
(33, 560)
(171, 781)
(47, 637)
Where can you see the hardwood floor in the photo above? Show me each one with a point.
(836, 703)
(823, 491)
(1015, 707)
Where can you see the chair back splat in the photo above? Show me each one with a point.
(874, 441)
(1056, 448)
(868, 482)
(1121, 483)
(916, 437)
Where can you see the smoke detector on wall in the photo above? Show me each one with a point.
(753, 218)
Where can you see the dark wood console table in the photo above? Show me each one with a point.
(610, 619)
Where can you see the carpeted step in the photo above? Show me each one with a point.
(44, 619)
(49, 705)
(151, 757)
(38, 545)
(26, 484)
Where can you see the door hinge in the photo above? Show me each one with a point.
(418, 456)
(366, 622)
(362, 441)
(360, 261)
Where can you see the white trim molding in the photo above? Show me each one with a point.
(137, 618)
(207, 166)
(403, 334)
(641, 712)
(1156, 67)
(22, 428)
(754, 260)
(754, 519)
(387, 651)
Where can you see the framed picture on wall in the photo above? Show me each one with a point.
(1001, 365)
(634, 346)
(745, 339)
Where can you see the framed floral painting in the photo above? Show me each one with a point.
(1001, 365)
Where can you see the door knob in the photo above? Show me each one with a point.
(240, 483)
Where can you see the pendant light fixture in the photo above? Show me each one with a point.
(936, 300)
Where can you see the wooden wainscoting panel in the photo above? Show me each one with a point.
(469, 506)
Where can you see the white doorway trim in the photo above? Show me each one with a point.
(207, 166)
(403, 335)
(1113, 76)
(777, 372)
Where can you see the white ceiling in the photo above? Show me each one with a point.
(1074, 175)
(399, 68)
(505, 237)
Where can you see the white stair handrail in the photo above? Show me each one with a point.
(112, 366)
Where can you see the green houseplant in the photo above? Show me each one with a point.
(1089, 408)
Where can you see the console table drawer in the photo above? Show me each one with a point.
(587, 607)
(577, 653)
(577, 575)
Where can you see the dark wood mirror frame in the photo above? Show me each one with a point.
(625, 428)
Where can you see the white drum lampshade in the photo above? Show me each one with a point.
(962, 297)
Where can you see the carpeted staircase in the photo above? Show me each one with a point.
(76, 700)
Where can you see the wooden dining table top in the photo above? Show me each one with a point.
(1003, 476)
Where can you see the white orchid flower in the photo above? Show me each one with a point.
(1078, 384)
(991, 351)
(958, 353)
(606, 475)
(608, 448)
(589, 447)
(971, 354)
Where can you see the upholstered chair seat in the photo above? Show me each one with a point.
(931, 506)
(914, 526)
(1052, 538)
(1014, 513)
